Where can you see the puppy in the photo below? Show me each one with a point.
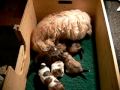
(61, 47)
(48, 79)
(57, 69)
(53, 83)
(74, 48)
(72, 66)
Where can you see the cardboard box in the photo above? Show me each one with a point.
(35, 10)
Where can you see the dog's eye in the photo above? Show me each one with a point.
(59, 70)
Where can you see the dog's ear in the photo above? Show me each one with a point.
(47, 81)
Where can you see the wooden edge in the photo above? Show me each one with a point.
(107, 61)
(28, 23)
(111, 43)
(19, 64)
(14, 81)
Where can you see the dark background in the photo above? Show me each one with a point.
(11, 11)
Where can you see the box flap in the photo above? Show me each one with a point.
(28, 23)
(14, 81)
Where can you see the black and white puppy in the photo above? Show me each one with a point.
(57, 69)
(48, 79)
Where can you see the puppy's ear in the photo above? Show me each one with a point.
(42, 65)
(47, 81)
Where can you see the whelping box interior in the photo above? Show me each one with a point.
(35, 10)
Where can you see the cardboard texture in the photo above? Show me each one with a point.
(28, 22)
(108, 69)
(35, 10)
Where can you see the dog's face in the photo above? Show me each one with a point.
(61, 47)
(74, 48)
(57, 69)
(57, 72)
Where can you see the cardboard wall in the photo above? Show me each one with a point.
(28, 23)
(36, 10)
(16, 79)
(108, 68)
(45, 7)
(107, 62)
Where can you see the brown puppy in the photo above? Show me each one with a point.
(61, 47)
(74, 48)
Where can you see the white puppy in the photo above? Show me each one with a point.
(57, 69)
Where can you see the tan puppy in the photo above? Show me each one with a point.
(61, 47)
(72, 66)
(74, 48)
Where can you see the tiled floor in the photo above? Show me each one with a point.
(114, 21)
